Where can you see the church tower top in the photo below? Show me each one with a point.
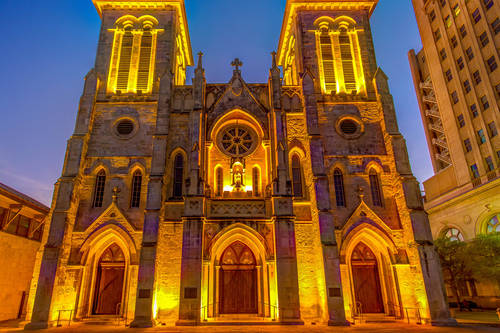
(152, 5)
(293, 6)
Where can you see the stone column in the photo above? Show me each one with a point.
(191, 266)
(331, 261)
(286, 262)
(429, 261)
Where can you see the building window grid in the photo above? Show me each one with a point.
(495, 26)
(470, 53)
(376, 191)
(473, 110)
(460, 63)
(454, 97)
(467, 145)
(488, 4)
(100, 183)
(484, 102)
(492, 64)
(467, 86)
(481, 137)
(296, 177)
(448, 75)
(476, 16)
(489, 164)
(477, 77)
(461, 120)
(492, 129)
(474, 171)
(178, 176)
(135, 198)
(443, 55)
(338, 180)
(454, 41)
(483, 39)
(463, 31)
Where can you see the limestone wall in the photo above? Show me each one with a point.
(16, 262)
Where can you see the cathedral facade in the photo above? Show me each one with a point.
(289, 201)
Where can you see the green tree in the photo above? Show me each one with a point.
(483, 259)
(454, 261)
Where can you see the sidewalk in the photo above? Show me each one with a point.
(477, 317)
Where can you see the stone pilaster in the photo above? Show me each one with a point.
(331, 260)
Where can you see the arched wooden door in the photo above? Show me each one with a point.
(109, 282)
(238, 280)
(366, 280)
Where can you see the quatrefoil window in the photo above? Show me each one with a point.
(237, 140)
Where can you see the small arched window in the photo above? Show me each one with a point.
(338, 180)
(256, 181)
(375, 188)
(100, 183)
(493, 224)
(125, 60)
(219, 182)
(135, 197)
(347, 60)
(453, 234)
(296, 177)
(178, 175)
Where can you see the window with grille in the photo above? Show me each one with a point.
(467, 86)
(338, 180)
(447, 21)
(178, 176)
(454, 41)
(375, 189)
(495, 25)
(468, 145)
(483, 38)
(470, 53)
(125, 60)
(449, 76)
(461, 120)
(476, 16)
(454, 97)
(460, 63)
(135, 198)
(489, 163)
(100, 182)
(484, 102)
(477, 77)
(256, 181)
(443, 54)
(219, 182)
(347, 61)
(327, 61)
(474, 171)
(463, 31)
(492, 63)
(296, 177)
(481, 137)
(456, 10)
(492, 129)
(473, 110)
(488, 4)
(143, 71)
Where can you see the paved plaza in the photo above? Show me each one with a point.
(385, 328)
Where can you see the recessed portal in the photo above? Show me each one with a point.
(366, 280)
(238, 280)
(109, 282)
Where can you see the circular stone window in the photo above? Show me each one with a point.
(125, 128)
(349, 128)
(237, 140)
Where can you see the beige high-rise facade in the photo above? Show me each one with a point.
(457, 81)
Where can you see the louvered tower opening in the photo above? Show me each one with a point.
(327, 60)
(144, 62)
(347, 61)
(125, 59)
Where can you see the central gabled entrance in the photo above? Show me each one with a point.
(238, 281)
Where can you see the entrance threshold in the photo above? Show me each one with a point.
(239, 320)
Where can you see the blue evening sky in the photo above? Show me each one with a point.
(49, 46)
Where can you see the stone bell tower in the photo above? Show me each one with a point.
(110, 191)
(327, 52)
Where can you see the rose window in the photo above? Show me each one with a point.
(237, 140)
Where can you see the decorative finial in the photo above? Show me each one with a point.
(274, 58)
(116, 191)
(237, 64)
(200, 59)
(361, 192)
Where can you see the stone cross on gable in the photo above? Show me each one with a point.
(237, 64)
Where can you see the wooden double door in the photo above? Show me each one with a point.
(109, 282)
(238, 281)
(366, 280)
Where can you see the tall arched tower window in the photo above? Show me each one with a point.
(100, 183)
(178, 176)
(219, 182)
(135, 197)
(327, 61)
(338, 180)
(125, 59)
(133, 55)
(347, 61)
(296, 177)
(256, 181)
(340, 64)
(375, 189)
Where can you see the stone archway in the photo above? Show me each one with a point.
(366, 280)
(238, 280)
